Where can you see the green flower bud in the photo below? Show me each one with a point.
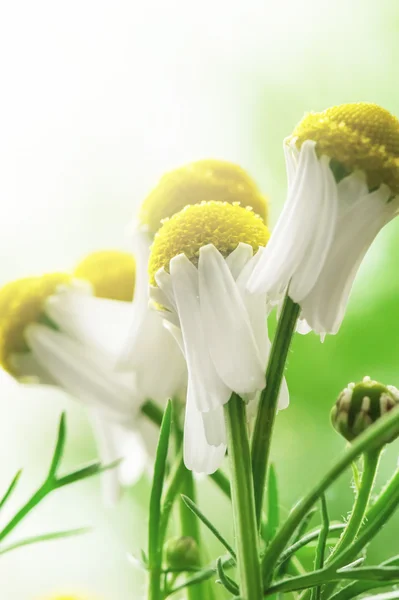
(360, 405)
(182, 553)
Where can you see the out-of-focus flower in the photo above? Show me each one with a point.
(343, 187)
(360, 405)
(199, 266)
(196, 182)
(52, 328)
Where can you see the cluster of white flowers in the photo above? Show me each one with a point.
(186, 318)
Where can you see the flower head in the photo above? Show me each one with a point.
(182, 553)
(358, 136)
(22, 303)
(343, 186)
(223, 225)
(200, 181)
(360, 405)
(200, 262)
(112, 274)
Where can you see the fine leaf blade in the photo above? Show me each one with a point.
(360, 587)
(10, 488)
(228, 583)
(202, 575)
(94, 468)
(45, 537)
(59, 447)
(158, 484)
(194, 508)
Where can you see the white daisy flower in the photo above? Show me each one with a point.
(199, 181)
(53, 328)
(343, 187)
(200, 262)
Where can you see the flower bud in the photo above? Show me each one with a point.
(360, 405)
(182, 553)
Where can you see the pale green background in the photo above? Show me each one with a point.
(97, 100)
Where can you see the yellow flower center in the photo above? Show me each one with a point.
(21, 303)
(219, 223)
(200, 181)
(112, 274)
(357, 136)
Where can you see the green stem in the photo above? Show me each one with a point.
(243, 502)
(155, 531)
(371, 438)
(190, 527)
(359, 510)
(261, 440)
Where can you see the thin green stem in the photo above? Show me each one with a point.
(371, 460)
(190, 527)
(242, 494)
(155, 531)
(262, 436)
(371, 438)
(29, 506)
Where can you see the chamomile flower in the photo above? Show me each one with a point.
(343, 187)
(191, 184)
(54, 329)
(199, 266)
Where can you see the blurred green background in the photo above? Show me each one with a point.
(98, 99)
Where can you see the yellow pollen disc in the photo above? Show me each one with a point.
(21, 303)
(219, 223)
(112, 274)
(358, 136)
(197, 182)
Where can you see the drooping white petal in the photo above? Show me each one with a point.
(115, 443)
(96, 322)
(108, 454)
(257, 309)
(295, 228)
(357, 227)
(199, 456)
(208, 389)
(214, 427)
(227, 326)
(303, 327)
(325, 215)
(159, 364)
(26, 367)
(284, 396)
(136, 328)
(84, 374)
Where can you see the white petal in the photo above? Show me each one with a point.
(129, 445)
(26, 366)
(199, 456)
(303, 327)
(257, 309)
(208, 390)
(325, 305)
(108, 454)
(283, 397)
(237, 259)
(164, 282)
(83, 374)
(215, 427)
(295, 228)
(227, 326)
(136, 327)
(159, 363)
(325, 215)
(96, 322)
